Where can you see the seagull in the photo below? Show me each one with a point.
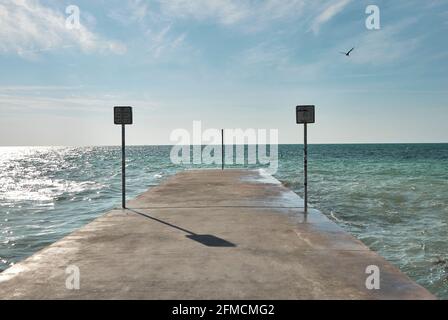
(348, 53)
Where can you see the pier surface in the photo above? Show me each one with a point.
(209, 234)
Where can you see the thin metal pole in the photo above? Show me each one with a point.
(305, 166)
(123, 166)
(222, 148)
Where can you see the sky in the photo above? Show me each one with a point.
(227, 63)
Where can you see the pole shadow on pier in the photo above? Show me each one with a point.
(205, 239)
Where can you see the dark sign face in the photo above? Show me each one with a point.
(123, 115)
(305, 114)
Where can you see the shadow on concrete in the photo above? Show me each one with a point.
(205, 239)
(210, 240)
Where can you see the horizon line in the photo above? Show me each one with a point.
(251, 144)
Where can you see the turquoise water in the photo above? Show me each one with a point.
(392, 197)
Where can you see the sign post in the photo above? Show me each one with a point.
(123, 117)
(305, 115)
(222, 150)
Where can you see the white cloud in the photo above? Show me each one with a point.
(27, 100)
(227, 12)
(387, 45)
(255, 14)
(328, 13)
(231, 12)
(27, 28)
(133, 11)
(162, 42)
(266, 54)
(27, 89)
(139, 9)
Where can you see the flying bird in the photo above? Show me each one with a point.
(348, 53)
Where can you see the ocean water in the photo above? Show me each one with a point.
(392, 197)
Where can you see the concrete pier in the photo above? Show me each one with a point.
(209, 234)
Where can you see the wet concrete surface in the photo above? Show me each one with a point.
(237, 234)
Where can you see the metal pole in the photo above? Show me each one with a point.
(123, 166)
(222, 148)
(305, 166)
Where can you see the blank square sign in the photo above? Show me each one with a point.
(123, 115)
(305, 114)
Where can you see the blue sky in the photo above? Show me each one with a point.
(229, 63)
